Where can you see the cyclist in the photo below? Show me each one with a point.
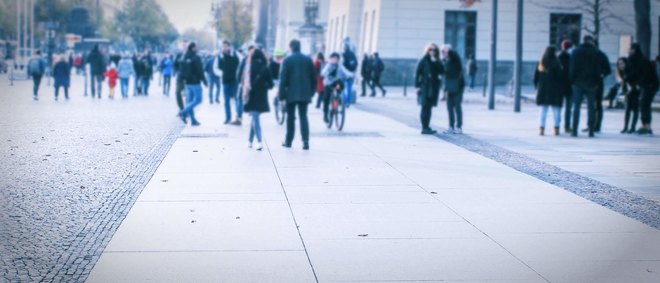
(334, 75)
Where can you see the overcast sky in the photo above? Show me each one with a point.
(185, 14)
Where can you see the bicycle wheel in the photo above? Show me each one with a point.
(332, 112)
(340, 118)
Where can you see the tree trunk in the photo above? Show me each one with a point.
(643, 25)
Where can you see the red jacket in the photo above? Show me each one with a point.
(112, 76)
(318, 65)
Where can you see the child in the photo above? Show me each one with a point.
(112, 76)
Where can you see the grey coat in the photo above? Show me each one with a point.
(297, 79)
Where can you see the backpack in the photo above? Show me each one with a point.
(35, 67)
(350, 60)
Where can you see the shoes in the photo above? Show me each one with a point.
(585, 130)
(217, 101)
(236, 122)
(631, 131)
(556, 131)
(373, 94)
(305, 145)
(250, 145)
(568, 130)
(227, 122)
(591, 134)
(55, 98)
(645, 131)
(35, 98)
(458, 131)
(429, 131)
(384, 92)
(541, 131)
(574, 134)
(195, 124)
(624, 131)
(449, 131)
(260, 146)
(286, 144)
(183, 118)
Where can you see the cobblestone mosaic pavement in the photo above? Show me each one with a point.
(70, 172)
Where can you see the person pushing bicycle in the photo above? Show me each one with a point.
(334, 75)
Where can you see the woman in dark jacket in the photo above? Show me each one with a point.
(643, 79)
(427, 83)
(258, 84)
(454, 88)
(548, 83)
(61, 77)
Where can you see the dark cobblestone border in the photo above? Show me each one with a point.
(617, 199)
(77, 261)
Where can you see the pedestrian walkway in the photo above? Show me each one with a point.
(377, 203)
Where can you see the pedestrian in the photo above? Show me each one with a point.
(547, 80)
(297, 85)
(631, 96)
(167, 70)
(334, 76)
(377, 69)
(643, 80)
(587, 67)
(350, 62)
(239, 98)
(146, 72)
(471, 67)
(427, 84)
(229, 66)
(319, 64)
(112, 76)
(62, 77)
(137, 65)
(365, 72)
(212, 78)
(454, 88)
(97, 65)
(125, 71)
(193, 76)
(256, 84)
(566, 87)
(36, 68)
(620, 86)
(180, 84)
(78, 64)
(598, 106)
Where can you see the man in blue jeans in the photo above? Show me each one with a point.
(229, 65)
(587, 69)
(349, 60)
(193, 75)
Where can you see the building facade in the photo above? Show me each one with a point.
(399, 30)
(291, 16)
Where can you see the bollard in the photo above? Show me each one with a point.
(405, 84)
(11, 76)
(85, 78)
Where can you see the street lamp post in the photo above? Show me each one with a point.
(492, 64)
(519, 51)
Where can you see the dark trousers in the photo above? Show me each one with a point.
(579, 93)
(632, 107)
(645, 100)
(36, 81)
(319, 99)
(179, 93)
(366, 82)
(425, 115)
(96, 84)
(166, 84)
(291, 121)
(599, 107)
(375, 82)
(57, 90)
(455, 110)
(568, 111)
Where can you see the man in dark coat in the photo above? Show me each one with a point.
(365, 71)
(97, 67)
(565, 64)
(377, 69)
(178, 64)
(229, 67)
(587, 67)
(297, 85)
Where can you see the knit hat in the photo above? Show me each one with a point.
(566, 44)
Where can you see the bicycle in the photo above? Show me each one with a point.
(279, 106)
(337, 111)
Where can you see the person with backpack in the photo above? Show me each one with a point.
(62, 77)
(547, 77)
(97, 65)
(36, 69)
(377, 69)
(427, 84)
(125, 71)
(193, 75)
(643, 80)
(454, 88)
(350, 62)
(297, 85)
(256, 83)
(228, 65)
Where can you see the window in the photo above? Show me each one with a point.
(565, 26)
(461, 31)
